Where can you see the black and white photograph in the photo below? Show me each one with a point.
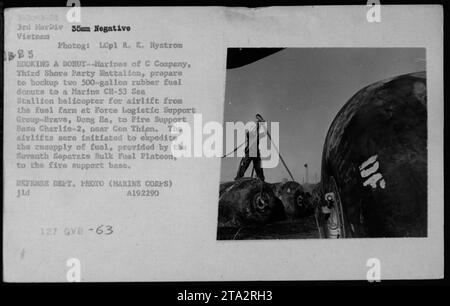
(352, 144)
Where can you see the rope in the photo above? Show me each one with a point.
(235, 149)
(237, 233)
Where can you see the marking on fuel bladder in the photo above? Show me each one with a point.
(368, 169)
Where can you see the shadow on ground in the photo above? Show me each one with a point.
(304, 228)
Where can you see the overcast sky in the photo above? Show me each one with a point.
(303, 89)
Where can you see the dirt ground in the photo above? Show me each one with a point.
(304, 228)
